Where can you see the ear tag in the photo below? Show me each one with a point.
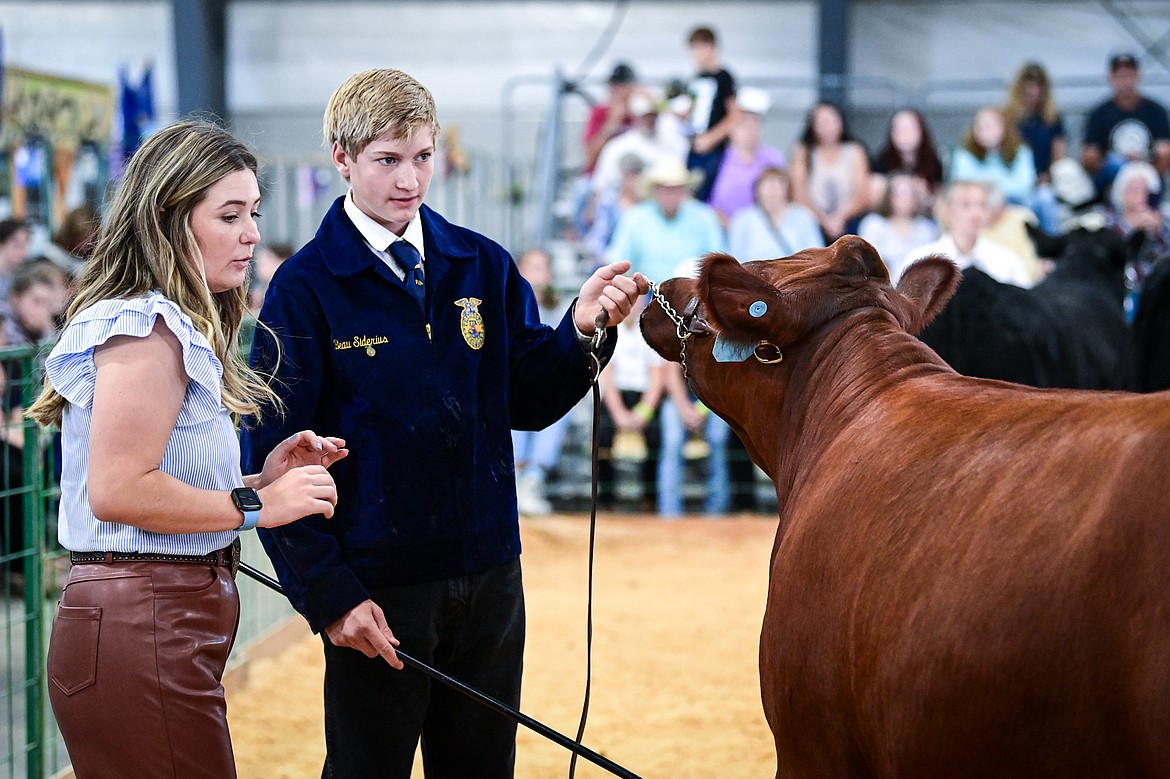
(758, 309)
(731, 351)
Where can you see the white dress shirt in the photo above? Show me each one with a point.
(996, 260)
(378, 238)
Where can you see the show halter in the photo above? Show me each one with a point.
(691, 322)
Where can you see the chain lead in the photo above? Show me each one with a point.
(680, 327)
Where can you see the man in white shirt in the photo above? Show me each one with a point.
(966, 210)
(639, 141)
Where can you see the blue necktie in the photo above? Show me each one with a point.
(410, 261)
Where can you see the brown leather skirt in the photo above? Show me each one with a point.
(135, 663)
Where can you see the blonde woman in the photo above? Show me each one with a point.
(993, 151)
(1031, 109)
(144, 383)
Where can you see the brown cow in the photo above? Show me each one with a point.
(970, 578)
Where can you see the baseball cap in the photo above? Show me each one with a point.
(622, 74)
(753, 100)
(1123, 60)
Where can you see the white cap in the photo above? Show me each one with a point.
(753, 100)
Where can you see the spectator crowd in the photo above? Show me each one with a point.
(673, 171)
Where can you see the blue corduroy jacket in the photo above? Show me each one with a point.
(428, 490)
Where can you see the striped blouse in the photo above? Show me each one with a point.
(203, 451)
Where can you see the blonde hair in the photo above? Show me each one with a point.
(147, 244)
(374, 102)
(1008, 147)
(1032, 72)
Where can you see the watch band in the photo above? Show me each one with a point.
(251, 519)
(248, 503)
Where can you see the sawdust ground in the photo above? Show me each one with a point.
(677, 611)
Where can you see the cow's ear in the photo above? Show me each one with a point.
(926, 285)
(738, 301)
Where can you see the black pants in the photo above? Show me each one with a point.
(709, 163)
(743, 475)
(647, 469)
(471, 628)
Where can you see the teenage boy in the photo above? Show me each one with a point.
(420, 342)
(714, 112)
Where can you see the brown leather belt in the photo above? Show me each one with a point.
(229, 556)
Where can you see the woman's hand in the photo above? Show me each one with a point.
(693, 416)
(299, 492)
(628, 420)
(299, 449)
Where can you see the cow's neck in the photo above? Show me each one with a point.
(836, 377)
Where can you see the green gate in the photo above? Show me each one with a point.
(28, 499)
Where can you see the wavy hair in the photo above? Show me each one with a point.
(808, 136)
(146, 244)
(927, 163)
(1008, 147)
(1015, 109)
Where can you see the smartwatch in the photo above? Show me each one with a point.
(247, 501)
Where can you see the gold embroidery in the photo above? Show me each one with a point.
(470, 322)
(367, 342)
(362, 341)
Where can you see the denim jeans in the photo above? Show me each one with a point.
(470, 627)
(671, 466)
(718, 473)
(540, 447)
(1046, 207)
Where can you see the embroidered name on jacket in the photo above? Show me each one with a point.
(360, 342)
(470, 322)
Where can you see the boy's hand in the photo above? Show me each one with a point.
(607, 289)
(364, 628)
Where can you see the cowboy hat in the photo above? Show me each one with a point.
(670, 172)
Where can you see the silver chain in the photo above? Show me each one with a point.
(680, 327)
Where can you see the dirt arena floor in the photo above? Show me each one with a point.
(677, 610)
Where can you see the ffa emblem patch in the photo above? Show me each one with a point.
(470, 322)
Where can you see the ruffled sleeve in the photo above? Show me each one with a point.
(70, 367)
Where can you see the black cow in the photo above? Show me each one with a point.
(1151, 327)
(1068, 331)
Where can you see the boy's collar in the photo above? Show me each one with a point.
(337, 230)
(376, 234)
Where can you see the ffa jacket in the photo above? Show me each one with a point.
(425, 404)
